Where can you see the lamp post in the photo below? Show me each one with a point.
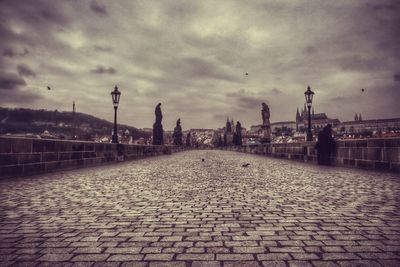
(115, 98)
(309, 97)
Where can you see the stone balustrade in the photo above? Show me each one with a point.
(24, 156)
(374, 154)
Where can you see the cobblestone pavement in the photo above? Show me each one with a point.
(179, 211)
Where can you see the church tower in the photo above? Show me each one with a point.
(297, 120)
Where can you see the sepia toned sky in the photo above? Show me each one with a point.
(193, 57)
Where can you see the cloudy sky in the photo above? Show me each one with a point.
(193, 57)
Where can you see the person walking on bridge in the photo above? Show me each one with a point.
(325, 146)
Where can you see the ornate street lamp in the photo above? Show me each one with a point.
(115, 98)
(309, 97)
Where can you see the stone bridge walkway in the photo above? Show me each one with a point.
(179, 211)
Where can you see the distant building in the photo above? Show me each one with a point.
(285, 127)
(202, 137)
(358, 126)
(255, 128)
(147, 130)
(318, 120)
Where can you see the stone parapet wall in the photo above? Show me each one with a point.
(374, 154)
(23, 156)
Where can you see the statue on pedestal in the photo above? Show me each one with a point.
(266, 126)
(228, 133)
(158, 132)
(177, 135)
(237, 136)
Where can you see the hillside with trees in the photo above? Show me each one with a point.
(63, 125)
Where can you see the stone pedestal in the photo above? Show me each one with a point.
(265, 134)
(158, 134)
(229, 139)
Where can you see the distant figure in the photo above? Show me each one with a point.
(265, 114)
(325, 146)
(246, 165)
(202, 160)
(48, 88)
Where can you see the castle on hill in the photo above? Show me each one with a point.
(318, 120)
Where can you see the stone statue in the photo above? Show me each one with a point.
(265, 127)
(158, 132)
(177, 135)
(237, 136)
(158, 113)
(265, 114)
(228, 134)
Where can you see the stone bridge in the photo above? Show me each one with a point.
(178, 210)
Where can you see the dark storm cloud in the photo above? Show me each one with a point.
(359, 63)
(276, 91)
(8, 52)
(372, 98)
(246, 100)
(102, 48)
(103, 70)
(311, 49)
(383, 6)
(37, 12)
(338, 99)
(193, 55)
(24, 70)
(19, 97)
(199, 68)
(10, 81)
(98, 8)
